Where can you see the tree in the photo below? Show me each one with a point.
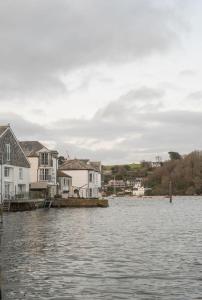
(174, 155)
(61, 160)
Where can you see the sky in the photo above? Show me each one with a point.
(110, 80)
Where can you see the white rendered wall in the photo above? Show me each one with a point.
(80, 178)
(33, 168)
(14, 179)
(54, 170)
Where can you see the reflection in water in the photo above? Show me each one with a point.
(135, 249)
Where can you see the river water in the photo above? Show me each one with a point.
(135, 249)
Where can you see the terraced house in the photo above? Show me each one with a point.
(44, 164)
(14, 172)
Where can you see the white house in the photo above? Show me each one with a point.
(64, 184)
(138, 188)
(44, 165)
(14, 172)
(86, 177)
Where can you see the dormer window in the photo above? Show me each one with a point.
(8, 152)
(44, 157)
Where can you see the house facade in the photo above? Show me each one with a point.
(15, 168)
(64, 185)
(43, 167)
(138, 188)
(86, 177)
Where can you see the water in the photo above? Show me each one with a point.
(135, 249)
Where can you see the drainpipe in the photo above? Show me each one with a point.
(88, 183)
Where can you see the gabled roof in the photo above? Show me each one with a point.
(62, 174)
(18, 157)
(97, 165)
(76, 164)
(31, 147)
(3, 129)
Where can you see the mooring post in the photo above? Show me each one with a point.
(1, 215)
(171, 191)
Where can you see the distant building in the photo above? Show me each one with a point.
(86, 177)
(44, 165)
(14, 174)
(156, 164)
(116, 183)
(138, 188)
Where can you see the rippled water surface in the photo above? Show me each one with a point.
(135, 249)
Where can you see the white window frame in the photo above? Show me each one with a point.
(44, 158)
(8, 152)
(45, 174)
(6, 172)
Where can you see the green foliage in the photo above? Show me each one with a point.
(61, 160)
(124, 172)
(185, 174)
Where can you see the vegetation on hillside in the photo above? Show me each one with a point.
(127, 171)
(184, 172)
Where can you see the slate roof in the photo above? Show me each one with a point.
(31, 147)
(76, 164)
(62, 174)
(17, 155)
(3, 128)
(97, 165)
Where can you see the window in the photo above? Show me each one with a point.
(21, 173)
(8, 152)
(21, 188)
(44, 175)
(90, 193)
(66, 181)
(44, 158)
(91, 177)
(6, 172)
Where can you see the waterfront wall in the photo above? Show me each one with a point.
(80, 202)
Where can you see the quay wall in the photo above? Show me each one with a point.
(80, 202)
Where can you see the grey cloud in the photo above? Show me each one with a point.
(141, 99)
(187, 73)
(140, 136)
(42, 40)
(195, 95)
(23, 129)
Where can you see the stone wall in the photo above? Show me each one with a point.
(78, 202)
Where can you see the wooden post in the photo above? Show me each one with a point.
(170, 191)
(1, 214)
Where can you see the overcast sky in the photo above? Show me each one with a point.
(112, 80)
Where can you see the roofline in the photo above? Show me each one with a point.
(87, 169)
(19, 145)
(5, 131)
